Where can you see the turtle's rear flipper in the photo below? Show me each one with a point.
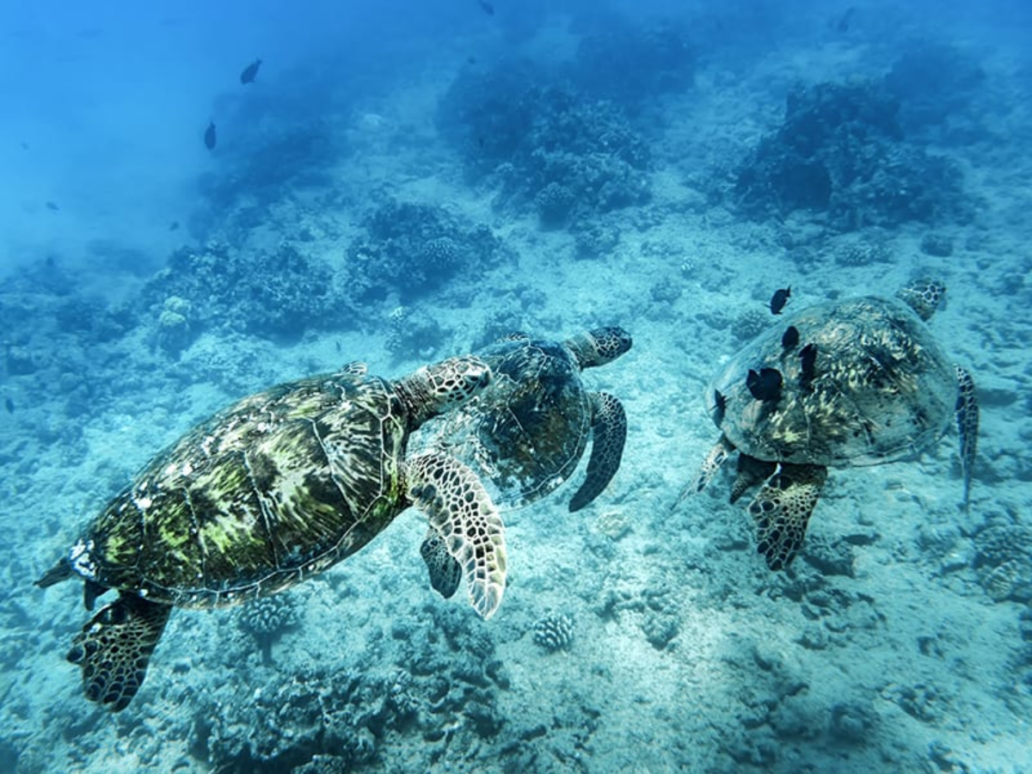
(718, 456)
(749, 473)
(608, 435)
(61, 571)
(445, 572)
(782, 509)
(967, 423)
(465, 519)
(114, 648)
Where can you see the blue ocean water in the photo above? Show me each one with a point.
(201, 201)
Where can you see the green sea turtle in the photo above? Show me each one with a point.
(859, 381)
(275, 488)
(525, 434)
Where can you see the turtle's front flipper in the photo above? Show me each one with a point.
(967, 423)
(782, 509)
(462, 514)
(608, 435)
(445, 572)
(718, 456)
(114, 648)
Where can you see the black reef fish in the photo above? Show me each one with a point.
(791, 337)
(486, 7)
(781, 296)
(719, 408)
(209, 136)
(845, 20)
(9, 405)
(51, 206)
(249, 73)
(765, 385)
(807, 363)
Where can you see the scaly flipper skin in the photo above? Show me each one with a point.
(445, 572)
(967, 424)
(718, 456)
(114, 648)
(782, 510)
(462, 514)
(750, 472)
(608, 435)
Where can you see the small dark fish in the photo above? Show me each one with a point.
(24, 145)
(173, 226)
(842, 25)
(472, 60)
(486, 7)
(791, 337)
(209, 136)
(249, 73)
(52, 207)
(9, 405)
(765, 385)
(808, 362)
(720, 408)
(781, 296)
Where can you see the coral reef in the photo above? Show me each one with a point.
(278, 294)
(413, 334)
(265, 161)
(596, 240)
(269, 618)
(938, 245)
(174, 330)
(1023, 657)
(545, 146)
(614, 524)
(553, 631)
(411, 250)
(92, 322)
(750, 324)
(926, 703)
(1003, 562)
(289, 721)
(862, 252)
(840, 152)
(554, 203)
(933, 82)
(632, 65)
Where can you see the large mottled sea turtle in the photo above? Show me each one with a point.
(278, 486)
(525, 434)
(854, 382)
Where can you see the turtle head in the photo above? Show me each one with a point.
(436, 388)
(599, 346)
(923, 296)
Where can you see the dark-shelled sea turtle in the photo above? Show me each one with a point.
(525, 434)
(854, 382)
(275, 488)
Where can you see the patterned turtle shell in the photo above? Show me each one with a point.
(860, 381)
(277, 487)
(527, 432)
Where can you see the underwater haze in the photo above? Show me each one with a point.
(203, 200)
